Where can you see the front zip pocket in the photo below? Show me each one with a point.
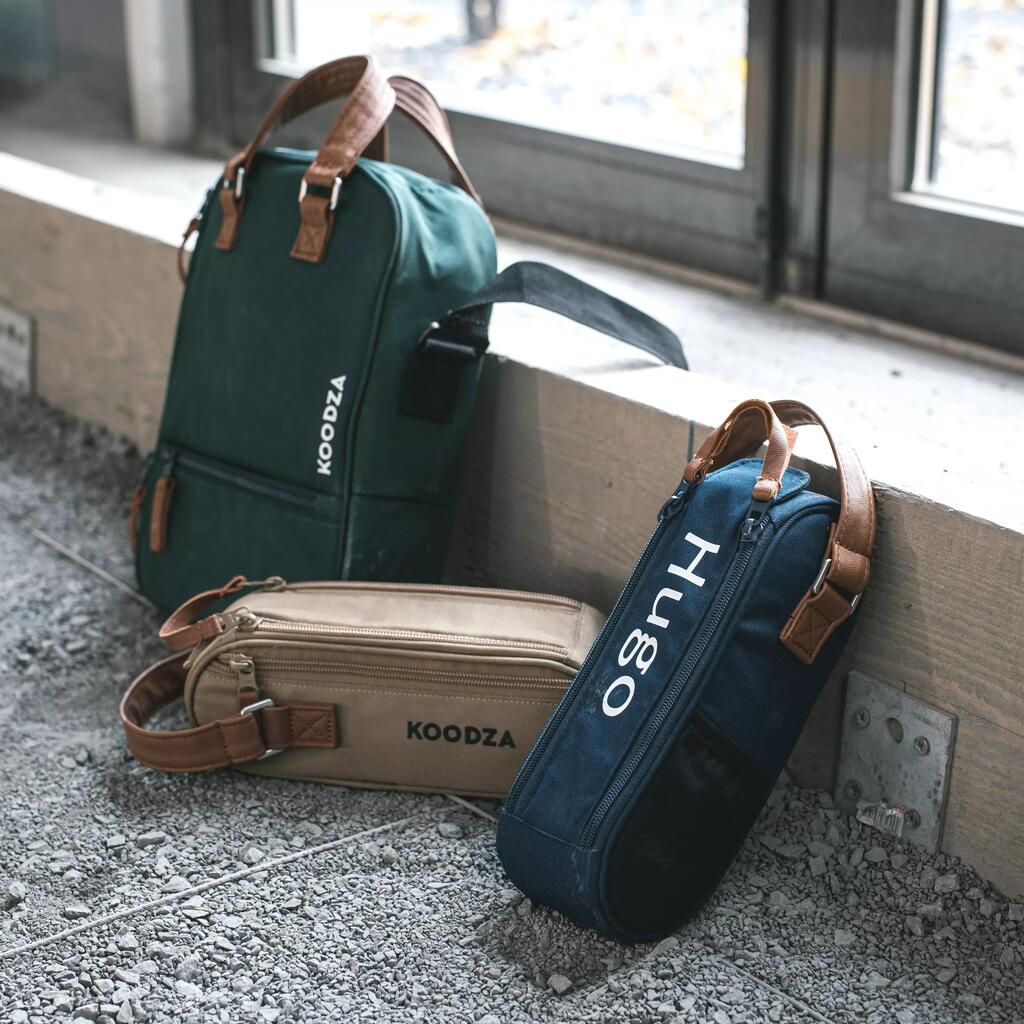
(451, 726)
(208, 520)
(685, 678)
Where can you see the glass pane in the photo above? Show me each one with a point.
(978, 150)
(665, 75)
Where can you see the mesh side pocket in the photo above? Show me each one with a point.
(682, 832)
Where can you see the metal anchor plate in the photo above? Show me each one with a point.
(894, 761)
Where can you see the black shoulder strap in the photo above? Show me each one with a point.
(462, 334)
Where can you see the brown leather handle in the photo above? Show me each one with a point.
(370, 102)
(420, 106)
(321, 85)
(854, 534)
(846, 568)
(747, 427)
(244, 737)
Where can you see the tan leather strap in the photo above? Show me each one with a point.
(747, 427)
(180, 632)
(349, 137)
(420, 105)
(846, 569)
(236, 740)
(370, 102)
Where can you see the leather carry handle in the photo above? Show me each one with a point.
(538, 284)
(360, 126)
(370, 102)
(746, 428)
(259, 729)
(419, 105)
(846, 567)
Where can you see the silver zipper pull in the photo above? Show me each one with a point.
(244, 669)
(245, 620)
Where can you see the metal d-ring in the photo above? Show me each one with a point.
(819, 582)
(335, 192)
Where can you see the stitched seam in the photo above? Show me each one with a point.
(312, 729)
(420, 693)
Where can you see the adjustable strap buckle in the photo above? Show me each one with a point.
(251, 709)
(819, 581)
(426, 342)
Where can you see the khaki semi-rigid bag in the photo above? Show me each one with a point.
(395, 686)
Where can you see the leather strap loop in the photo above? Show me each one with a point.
(847, 563)
(370, 102)
(227, 741)
(848, 556)
(180, 631)
(747, 427)
(361, 126)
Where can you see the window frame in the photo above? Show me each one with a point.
(702, 214)
(824, 205)
(914, 256)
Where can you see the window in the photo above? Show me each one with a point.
(598, 134)
(667, 76)
(924, 192)
(865, 152)
(970, 144)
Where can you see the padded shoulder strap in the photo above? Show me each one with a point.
(461, 336)
(538, 284)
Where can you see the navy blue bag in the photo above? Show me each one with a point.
(645, 781)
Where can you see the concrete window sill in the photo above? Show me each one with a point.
(578, 439)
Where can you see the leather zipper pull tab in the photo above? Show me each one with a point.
(160, 509)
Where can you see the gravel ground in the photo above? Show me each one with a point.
(392, 906)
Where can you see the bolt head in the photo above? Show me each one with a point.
(921, 745)
(862, 718)
(913, 819)
(853, 790)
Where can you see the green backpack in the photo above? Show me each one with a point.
(327, 354)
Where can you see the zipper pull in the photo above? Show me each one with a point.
(674, 503)
(245, 674)
(245, 620)
(754, 524)
(159, 511)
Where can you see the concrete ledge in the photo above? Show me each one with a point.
(576, 444)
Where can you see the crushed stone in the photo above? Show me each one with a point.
(819, 920)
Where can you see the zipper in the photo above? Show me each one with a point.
(248, 622)
(443, 589)
(750, 534)
(675, 503)
(244, 668)
(246, 481)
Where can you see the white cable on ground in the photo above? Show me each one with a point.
(235, 876)
(472, 807)
(74, 556)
